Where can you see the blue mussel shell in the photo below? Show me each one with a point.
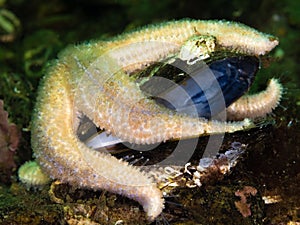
(209, 90)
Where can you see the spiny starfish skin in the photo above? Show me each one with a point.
(252, 106)
(86, 80)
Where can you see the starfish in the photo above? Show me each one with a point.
(92, 80)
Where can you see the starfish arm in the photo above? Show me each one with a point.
(257, 105)
(64, 157)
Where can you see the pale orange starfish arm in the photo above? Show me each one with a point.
(90, 79)
(257, 105)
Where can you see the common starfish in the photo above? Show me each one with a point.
(91, 80)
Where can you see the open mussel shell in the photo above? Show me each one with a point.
(203, 89)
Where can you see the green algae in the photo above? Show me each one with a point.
(18, 206)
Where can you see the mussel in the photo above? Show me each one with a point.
(207, 89)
